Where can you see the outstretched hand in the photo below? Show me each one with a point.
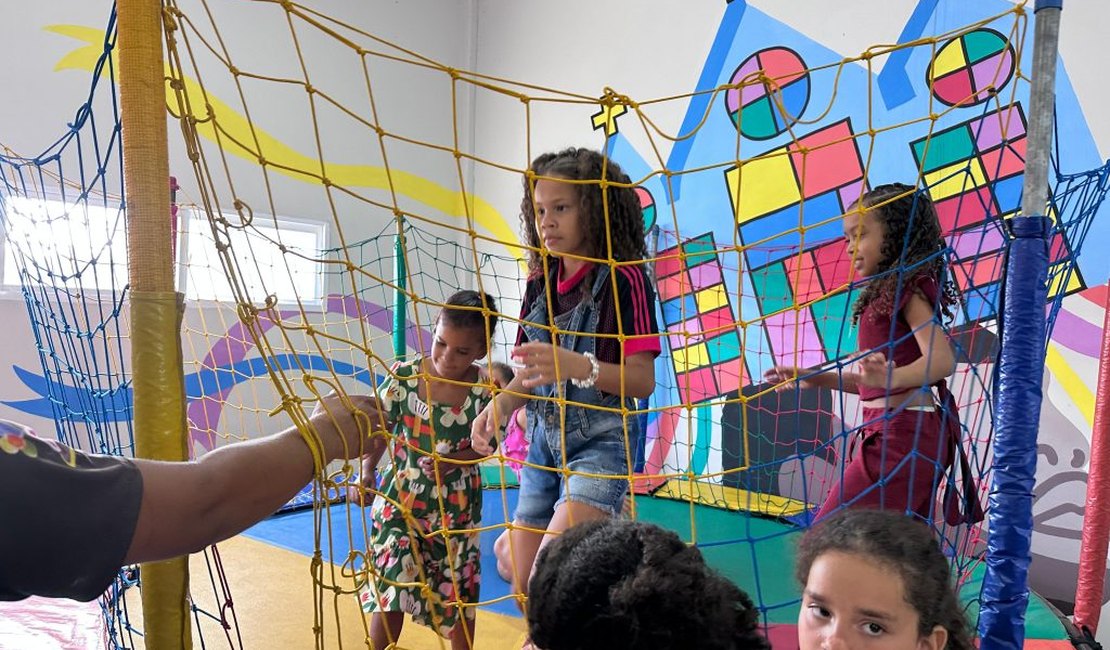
(787, 378)
(484, 429)
(540, 361)
(345, 424)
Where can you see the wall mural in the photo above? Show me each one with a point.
(786, 290)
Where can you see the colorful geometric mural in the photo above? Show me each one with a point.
(974, 171)
(800, 272)
(698, 316)
(787, 82)
(647, 204)
(970, 69)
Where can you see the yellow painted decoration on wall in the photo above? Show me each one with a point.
(237, 135)
(1071, 382)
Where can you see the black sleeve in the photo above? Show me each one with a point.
(66, 518)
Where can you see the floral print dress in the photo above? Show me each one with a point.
(423, 533)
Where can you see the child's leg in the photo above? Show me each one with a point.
(501, 552)
(567, 514)
(521, 549)
(897, 467)
(462, 638)
(385, 628)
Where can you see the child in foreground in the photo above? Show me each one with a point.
(615, 583)
(875, 579)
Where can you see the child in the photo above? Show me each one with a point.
(514, 446)
(907, 440)
(578, 208)
(615, 583)
(877, 580)
(423, 526)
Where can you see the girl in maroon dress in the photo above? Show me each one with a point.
(910, 433)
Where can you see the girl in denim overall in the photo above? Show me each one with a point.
(585, 350)
(911, 434)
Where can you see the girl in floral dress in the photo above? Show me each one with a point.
(430, 499)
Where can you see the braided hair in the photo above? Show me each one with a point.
(613, 583)
(912, 240)
(611, 195)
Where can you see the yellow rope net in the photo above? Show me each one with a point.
(318, 127)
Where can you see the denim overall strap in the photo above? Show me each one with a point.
(582, 319)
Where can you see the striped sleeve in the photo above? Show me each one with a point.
(636, 302)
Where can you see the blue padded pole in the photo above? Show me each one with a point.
(1005, 593)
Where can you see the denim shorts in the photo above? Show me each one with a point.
(592, 451)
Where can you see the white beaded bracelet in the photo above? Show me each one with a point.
(595, 370)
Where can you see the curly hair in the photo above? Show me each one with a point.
(614, 583)
(610, 201)
(906, 546)
(911, 240)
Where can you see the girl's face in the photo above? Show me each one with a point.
(851, 601)
(558, 222)
(455, 349)
(864, 234)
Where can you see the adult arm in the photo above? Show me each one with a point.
(187, 506)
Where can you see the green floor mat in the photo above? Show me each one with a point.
(495, 476)
(731, 542)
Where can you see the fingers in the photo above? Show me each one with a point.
(539, 365)
(480, 433)
(783, 377)
(875, 359)
(428, 465)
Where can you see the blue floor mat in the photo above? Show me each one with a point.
(293, 531)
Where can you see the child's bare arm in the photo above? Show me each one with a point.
(446, 464)
(837, 379)
(463, 455)
(639, 376)
(485, 426)
(546, 363)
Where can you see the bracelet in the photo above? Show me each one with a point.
(595, 370)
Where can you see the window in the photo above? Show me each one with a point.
(260, 262)
(74, 245)
(83, 246)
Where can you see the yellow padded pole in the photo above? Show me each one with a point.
(156, 310)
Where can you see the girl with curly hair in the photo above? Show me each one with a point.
(911, 431)
(873, 579)
(585, 349)
(613, 584)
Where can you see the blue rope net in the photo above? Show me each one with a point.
(65, 246)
